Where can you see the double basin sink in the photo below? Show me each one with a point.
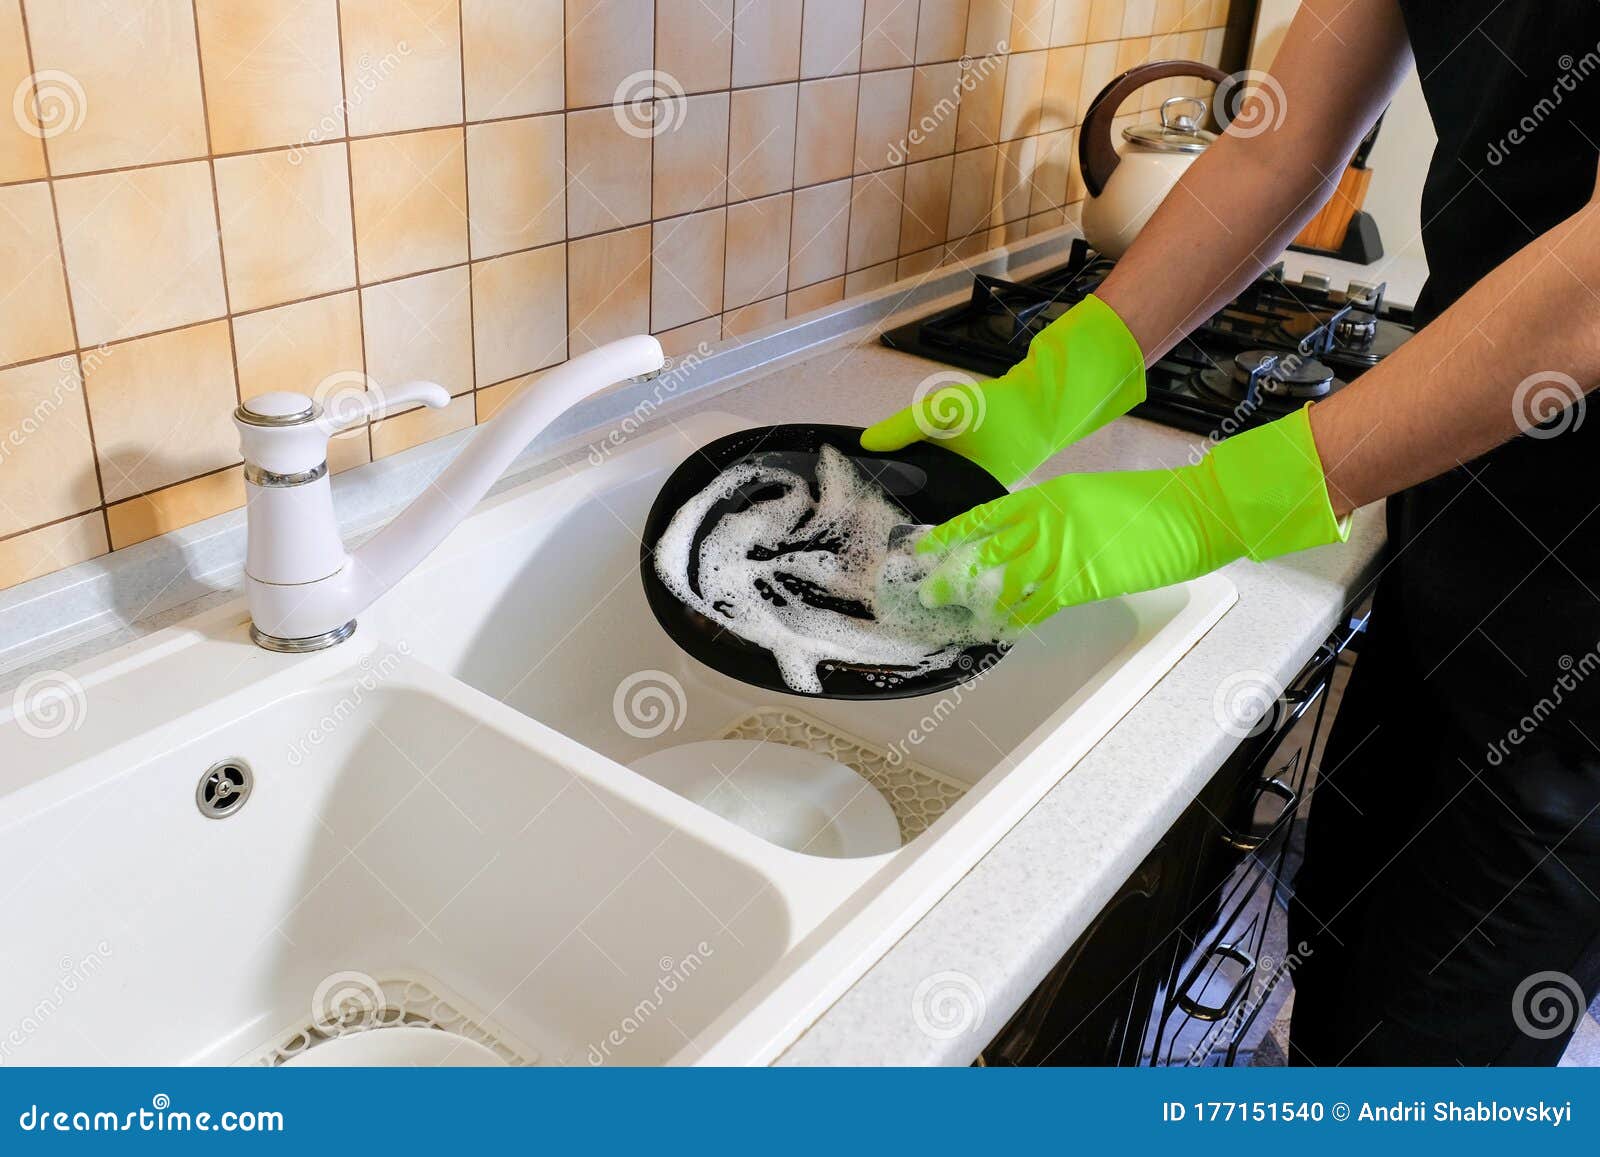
(438, 825)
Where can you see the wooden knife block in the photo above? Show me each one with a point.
(1328, 228)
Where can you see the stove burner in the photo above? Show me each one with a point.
(1290, 375)
(1271, 381)
(1356, 329)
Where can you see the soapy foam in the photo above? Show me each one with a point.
(819, 581)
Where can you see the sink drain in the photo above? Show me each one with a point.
(223, 789)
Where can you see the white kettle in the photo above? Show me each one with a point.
(1124, 189)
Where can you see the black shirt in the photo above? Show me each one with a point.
(1514, 92)
(1494, 571)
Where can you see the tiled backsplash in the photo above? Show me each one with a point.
(203, 200)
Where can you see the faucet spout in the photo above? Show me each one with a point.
(304, 590)
(398, 548)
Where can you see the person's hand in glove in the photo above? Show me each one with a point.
(1083, 537)
(1081, 371)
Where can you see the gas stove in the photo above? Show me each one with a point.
(1276, 346)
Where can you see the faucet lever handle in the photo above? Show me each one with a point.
(352, 408)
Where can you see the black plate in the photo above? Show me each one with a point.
(930, 483)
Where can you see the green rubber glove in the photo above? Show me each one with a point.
(1082, 370)
(1083, 537)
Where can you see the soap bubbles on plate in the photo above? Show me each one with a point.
(822, 583)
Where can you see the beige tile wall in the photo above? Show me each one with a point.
(202, 200)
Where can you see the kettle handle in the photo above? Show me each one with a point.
(1097, 156)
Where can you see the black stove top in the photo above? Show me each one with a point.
(1278, 345)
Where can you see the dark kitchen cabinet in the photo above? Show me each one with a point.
(1090, 1004)
(1172, 972)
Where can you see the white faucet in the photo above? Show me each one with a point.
(303, 588)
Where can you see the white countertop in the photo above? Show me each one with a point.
(1405, 273)
(1018, 911)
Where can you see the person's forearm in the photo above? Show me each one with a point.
(1241, 203)
(1211, 228)
(1451, 392)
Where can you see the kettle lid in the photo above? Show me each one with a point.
(1179, 130)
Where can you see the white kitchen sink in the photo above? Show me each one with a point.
(441, 827)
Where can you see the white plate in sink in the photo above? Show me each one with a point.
(787, 795)
(404, 1046)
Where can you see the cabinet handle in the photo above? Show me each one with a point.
(1249, 841)
(1208, 1012)
(1299, 696)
